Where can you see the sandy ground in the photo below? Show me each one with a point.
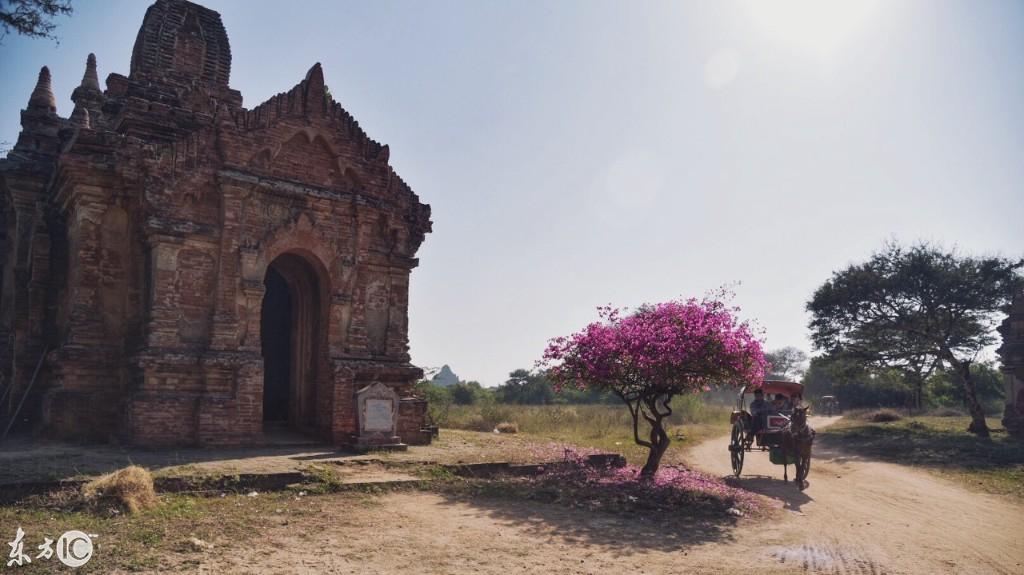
(860, 516)
(856, 517)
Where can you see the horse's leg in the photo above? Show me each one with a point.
(785, 472)
(804, 455)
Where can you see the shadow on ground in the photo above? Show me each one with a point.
(27, 460)
(926, 444)
(621, 533)
(774, 487)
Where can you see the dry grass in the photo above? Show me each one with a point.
(880, 416)
(587, 421)
(601, 427)
(130, 488)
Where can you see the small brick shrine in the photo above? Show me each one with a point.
(188, 271)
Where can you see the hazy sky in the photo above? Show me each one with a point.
(579, 153)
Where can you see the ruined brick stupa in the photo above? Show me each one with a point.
(185, 270)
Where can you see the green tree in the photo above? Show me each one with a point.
(469, 393)
(32, 18)
(439, 401)
(987, 380)
(855, 384)
(787, 362)
(914, 308)
(527, 388)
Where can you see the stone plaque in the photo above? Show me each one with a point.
(377, 406)
(379, 415)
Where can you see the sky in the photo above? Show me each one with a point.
(581, 153)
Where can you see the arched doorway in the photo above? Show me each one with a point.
(292, 340)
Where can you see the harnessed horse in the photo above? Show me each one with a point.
(797, 438)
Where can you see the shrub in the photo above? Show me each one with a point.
(130, 488)
(439, 402)
(881, 416)
(507, 427)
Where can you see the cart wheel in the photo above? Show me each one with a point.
(803, 467)
(736, 448)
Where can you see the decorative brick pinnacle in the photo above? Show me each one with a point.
(42, 96)
(90, 80)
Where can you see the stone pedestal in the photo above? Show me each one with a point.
(412, 418)
(377, 409)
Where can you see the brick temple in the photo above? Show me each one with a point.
(178, 269)
(1011, 352)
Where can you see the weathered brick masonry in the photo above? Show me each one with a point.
(194, 269)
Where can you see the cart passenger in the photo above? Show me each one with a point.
(798, 400)
(782, 404)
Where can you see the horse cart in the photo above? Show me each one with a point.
(780, 430)
(830, 405)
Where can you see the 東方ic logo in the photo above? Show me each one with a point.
(73, 549)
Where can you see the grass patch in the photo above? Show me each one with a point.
(947, 412)
(160, 538)
(940, 444)
(323, 479)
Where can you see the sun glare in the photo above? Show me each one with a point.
(818, 25)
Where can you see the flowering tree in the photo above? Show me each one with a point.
(655, 353)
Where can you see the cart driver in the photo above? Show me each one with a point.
(758, 411)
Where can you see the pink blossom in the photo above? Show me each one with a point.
(672, 347)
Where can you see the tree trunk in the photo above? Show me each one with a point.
(659, 444)
(916, 392)
(978, 425)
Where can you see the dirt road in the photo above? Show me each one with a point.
(856, 517)
(862, 516)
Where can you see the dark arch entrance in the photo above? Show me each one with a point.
(290, 332)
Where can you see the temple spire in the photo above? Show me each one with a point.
(88, 95)
(90, 80)
(42, 96)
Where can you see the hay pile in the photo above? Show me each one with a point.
(130, 488)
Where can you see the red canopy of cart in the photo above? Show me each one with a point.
(772, 386)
